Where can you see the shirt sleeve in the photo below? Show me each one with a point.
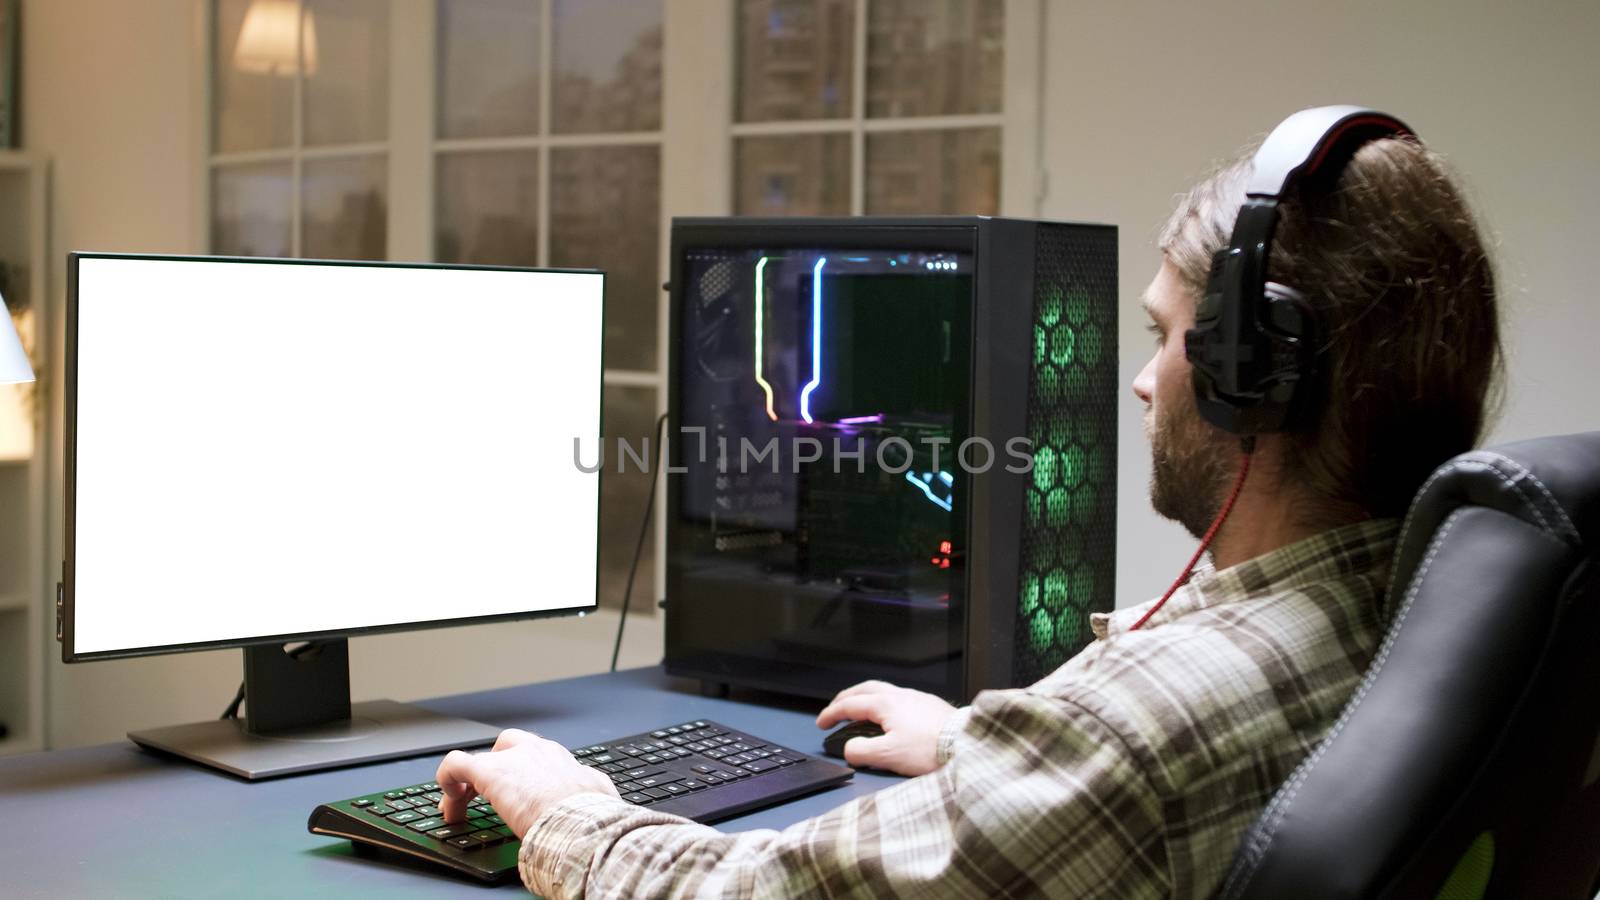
(953, 726)
(1039, 797)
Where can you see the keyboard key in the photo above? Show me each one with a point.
(413, 791)
(675, 789)
(504, 831)
(761, 765)
(380, 809)
(638, 797)
(495, 820)
(699, 723)
(656, 793)
(693, 785)
(600, 758)
(645, 772)
(426, 824)
(487, 836)
(434, 796)
(363, 803)
(609, 768)
(474, 812)
(619, 778)
(716, 754)
(450, 831)
(428, 811)
(394, 795)
(658, 780)
(658, 735)
(703, 770)
(404, 816)
(464, 842)
(652, 759)
(712, 780)
(431, 786)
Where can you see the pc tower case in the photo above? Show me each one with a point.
(891, 450)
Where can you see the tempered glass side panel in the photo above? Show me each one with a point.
(818, 528)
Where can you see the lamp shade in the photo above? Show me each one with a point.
(268, 44)
(14, 365)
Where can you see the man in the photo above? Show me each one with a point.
(1134, 769)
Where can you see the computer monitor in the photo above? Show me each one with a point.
(262, 451)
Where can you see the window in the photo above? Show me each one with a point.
(883, 107)
(536, 132)
(300, 129)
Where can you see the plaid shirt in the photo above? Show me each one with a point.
(1131, 771)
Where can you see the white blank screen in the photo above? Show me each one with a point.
(269, 448)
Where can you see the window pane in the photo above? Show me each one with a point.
(488, 68)
(347, 71)
(345, 208)
(796, 59)
(488, 208)
(253, 75)
(250, 209)
(934, 59)
(605, 213)
(607, 66)
(630, 414)
(954, 172)
(799, 175)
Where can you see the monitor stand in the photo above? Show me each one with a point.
(299, 718)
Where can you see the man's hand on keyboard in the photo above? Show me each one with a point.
(910, 719)
(522, 777)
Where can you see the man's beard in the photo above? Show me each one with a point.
(1191, 466)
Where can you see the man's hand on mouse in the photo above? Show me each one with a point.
(911, 721)
(522, 777)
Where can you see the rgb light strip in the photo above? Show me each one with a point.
(761, 309)
(816, 340)
(927, 488)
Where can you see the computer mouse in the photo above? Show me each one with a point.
(833, 743)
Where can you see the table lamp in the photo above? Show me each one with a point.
(14, 367)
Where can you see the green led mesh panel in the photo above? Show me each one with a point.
(1068, 559)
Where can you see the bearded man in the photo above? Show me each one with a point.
(1134, 769)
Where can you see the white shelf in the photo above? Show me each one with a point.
(25, 483)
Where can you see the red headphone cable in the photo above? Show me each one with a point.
(1246, 447)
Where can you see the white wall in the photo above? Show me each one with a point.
(111, 96)
(1141, 97)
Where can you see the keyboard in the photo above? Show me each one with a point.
(700, 770)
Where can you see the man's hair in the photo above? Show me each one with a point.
(1389, 257)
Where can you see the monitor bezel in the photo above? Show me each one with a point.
(65, 592)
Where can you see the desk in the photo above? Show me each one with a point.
(115, 820)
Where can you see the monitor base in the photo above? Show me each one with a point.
(376, 730)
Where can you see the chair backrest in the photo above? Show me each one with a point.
(1466, 763)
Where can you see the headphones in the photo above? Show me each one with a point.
(1254, 344)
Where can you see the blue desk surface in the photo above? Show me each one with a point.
(117, 820)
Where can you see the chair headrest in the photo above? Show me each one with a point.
(1552, 483)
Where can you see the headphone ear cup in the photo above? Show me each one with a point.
(1293, 323)
(1289, 313)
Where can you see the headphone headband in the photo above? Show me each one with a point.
(1254, 344)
